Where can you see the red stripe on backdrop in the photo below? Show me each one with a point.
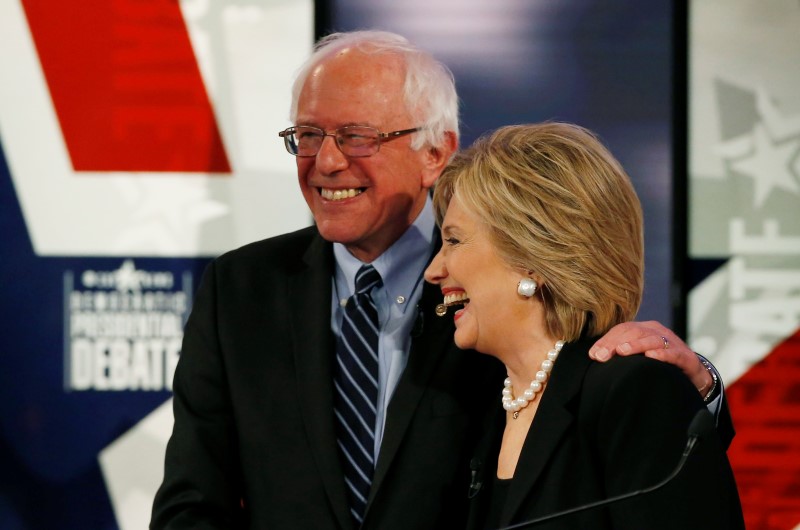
(765, 454)
(126, 86)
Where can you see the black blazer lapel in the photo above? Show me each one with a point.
(553, 419)
(434, 337)
(310, 307)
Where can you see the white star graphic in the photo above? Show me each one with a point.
(769, 164)
(126, 277)
(166, 209)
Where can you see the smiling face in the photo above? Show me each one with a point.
(378, 196)
(494, 319)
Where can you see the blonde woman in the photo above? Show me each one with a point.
(542, 253)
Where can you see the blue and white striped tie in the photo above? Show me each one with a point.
(356, 381)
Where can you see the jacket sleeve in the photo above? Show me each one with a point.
(641, 441)
(718, 406)
(202, 481)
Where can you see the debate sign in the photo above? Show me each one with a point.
(744, 218)
(139, 140)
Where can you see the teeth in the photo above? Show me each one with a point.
(338, 195)
(451, 299)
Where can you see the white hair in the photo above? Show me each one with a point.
(429, 90)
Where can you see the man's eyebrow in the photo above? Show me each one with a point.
(310, 123)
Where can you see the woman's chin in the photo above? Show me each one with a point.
(463, 343)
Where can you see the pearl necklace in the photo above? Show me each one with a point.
(515, 405)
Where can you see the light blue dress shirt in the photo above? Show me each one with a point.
(401, 267)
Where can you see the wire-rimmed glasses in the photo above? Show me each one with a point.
(353, 140)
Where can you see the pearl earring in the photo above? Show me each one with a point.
(526, 287)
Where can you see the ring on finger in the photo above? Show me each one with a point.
(666, 342)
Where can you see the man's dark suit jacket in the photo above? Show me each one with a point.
(605, 429)
(253, 444)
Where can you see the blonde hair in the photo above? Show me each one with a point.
(556, 202)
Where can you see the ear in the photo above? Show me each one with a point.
(533, 276)
(437, 157)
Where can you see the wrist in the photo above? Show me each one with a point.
(708, 390)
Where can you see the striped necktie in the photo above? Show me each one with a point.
(356, 382)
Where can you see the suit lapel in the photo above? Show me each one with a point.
(310, 306)
(427, 348)
(553, 419)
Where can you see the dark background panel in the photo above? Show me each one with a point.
(608, 66)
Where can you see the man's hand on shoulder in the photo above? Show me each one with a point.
(653, 340)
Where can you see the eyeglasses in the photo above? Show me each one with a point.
(355, 140)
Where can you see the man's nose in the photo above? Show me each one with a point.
(330, 158)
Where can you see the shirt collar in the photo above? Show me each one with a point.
(400, 266)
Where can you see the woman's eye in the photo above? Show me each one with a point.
(452, 241)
